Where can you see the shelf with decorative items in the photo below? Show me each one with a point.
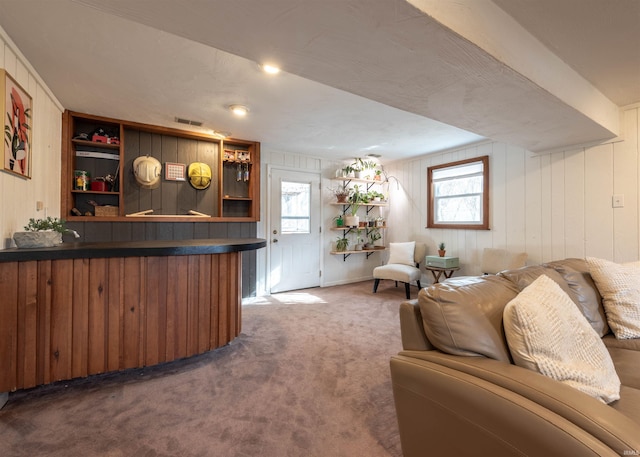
(116, 170)
(239, 178)
(350, 198)
(94, 165)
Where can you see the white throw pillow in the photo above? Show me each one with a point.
(547, 333)
(402, 253)
(619, 285)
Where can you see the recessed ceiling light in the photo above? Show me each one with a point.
(239, 110)
(271, 69)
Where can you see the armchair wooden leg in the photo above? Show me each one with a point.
(375, 285)
(407, 289)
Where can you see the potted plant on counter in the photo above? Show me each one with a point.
(41, 233)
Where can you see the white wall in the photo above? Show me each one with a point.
(18, 195)
(550, 205)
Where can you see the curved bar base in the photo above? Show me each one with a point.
(62, 318)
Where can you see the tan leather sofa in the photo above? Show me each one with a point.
(458, 393)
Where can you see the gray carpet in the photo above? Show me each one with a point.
(308, 376)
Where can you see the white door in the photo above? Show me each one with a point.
(294, 234)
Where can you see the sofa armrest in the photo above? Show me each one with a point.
(411, 329)
(453, 405)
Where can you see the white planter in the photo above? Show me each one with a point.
(351, 221)
(44, 239)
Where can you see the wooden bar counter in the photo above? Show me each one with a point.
(86, 308)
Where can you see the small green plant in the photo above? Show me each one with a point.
(360, 164)
(342, 244)
(50, 223)
(356, 199)
(339, 220)
(347, 170)
(374, 235)
(441, 246)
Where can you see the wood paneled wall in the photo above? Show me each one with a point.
(19, 196)
(62, 319)
(172, 197)
(552, 206)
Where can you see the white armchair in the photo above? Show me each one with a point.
(403, 265)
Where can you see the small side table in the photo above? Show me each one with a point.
(437, 272)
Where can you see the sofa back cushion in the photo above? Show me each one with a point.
(572, 275)
(464, 316)
(583, 291)
(549, 335)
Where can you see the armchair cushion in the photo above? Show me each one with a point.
(397, 272)
(547, 333)
(402, 253)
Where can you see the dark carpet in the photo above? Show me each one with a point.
(308, 376)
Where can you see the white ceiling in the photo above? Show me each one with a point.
(393, 77)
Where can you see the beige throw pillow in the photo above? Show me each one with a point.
(547, 333)
(402, 253)
(619, 285)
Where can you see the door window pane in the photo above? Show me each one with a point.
(295, 207)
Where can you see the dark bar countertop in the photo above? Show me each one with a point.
(133, 249)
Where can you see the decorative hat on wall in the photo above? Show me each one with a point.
(147, 171)
(199, 175)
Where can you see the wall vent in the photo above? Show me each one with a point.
(181, 120)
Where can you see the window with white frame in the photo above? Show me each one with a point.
(458, 194)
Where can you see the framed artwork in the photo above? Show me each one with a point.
(174, 171)
(17, 106)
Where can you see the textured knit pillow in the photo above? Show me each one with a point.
(402, 253)
(547, 333)
(619, 285)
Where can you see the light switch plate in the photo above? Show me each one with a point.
(617, 201)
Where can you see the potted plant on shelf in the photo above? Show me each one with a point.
(374, 235)
(356, 199)
(339, 220)
(342, 244)
(441, 249)
(359, 244)
(345, 172)
(365, 169)
(375, 196)
(41, 233)
(341, 193)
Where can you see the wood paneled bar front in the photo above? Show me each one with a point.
(86, 308)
